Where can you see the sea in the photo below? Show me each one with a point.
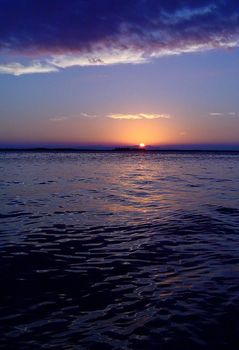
(119, 250)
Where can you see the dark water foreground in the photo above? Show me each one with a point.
(119, 251)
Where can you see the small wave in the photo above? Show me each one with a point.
(228, 211)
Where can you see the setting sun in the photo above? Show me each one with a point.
(141, 145)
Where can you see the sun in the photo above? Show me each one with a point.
(141, 145)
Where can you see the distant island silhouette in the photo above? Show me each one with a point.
(129, 149)
(115, 149)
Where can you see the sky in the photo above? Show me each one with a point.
(117, 73)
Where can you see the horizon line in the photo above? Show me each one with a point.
(195, 148)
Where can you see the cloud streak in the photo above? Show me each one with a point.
(87, 115)
(119, 116)
(216, 114)
(54, 35)
(20, 69)
(220, 114)
(139, 116)
(58, 119)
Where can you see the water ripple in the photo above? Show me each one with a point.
(142, 256)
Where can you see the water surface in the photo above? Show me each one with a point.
(119, 250)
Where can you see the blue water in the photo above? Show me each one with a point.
(119, 250)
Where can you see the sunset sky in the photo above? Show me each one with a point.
(119, 72)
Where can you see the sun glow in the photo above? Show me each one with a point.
(141, 145)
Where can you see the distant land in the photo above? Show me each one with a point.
(75, 147)
(126, 149)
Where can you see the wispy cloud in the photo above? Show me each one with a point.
(58, 119)
(99, 57)
(106, 57)
(216, 114)
(87, 115)
(220, 114)
(17, 69)
(75, 117)
(138, 116)
(94, 33)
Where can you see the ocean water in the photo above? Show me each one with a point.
(119, 250)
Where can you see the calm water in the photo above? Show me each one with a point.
(119, 251)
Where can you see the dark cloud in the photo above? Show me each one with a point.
(54, 25)
(151, 27)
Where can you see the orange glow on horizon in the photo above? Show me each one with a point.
(141, 145)
(112, 133)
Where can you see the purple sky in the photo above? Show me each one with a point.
(119, 72)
